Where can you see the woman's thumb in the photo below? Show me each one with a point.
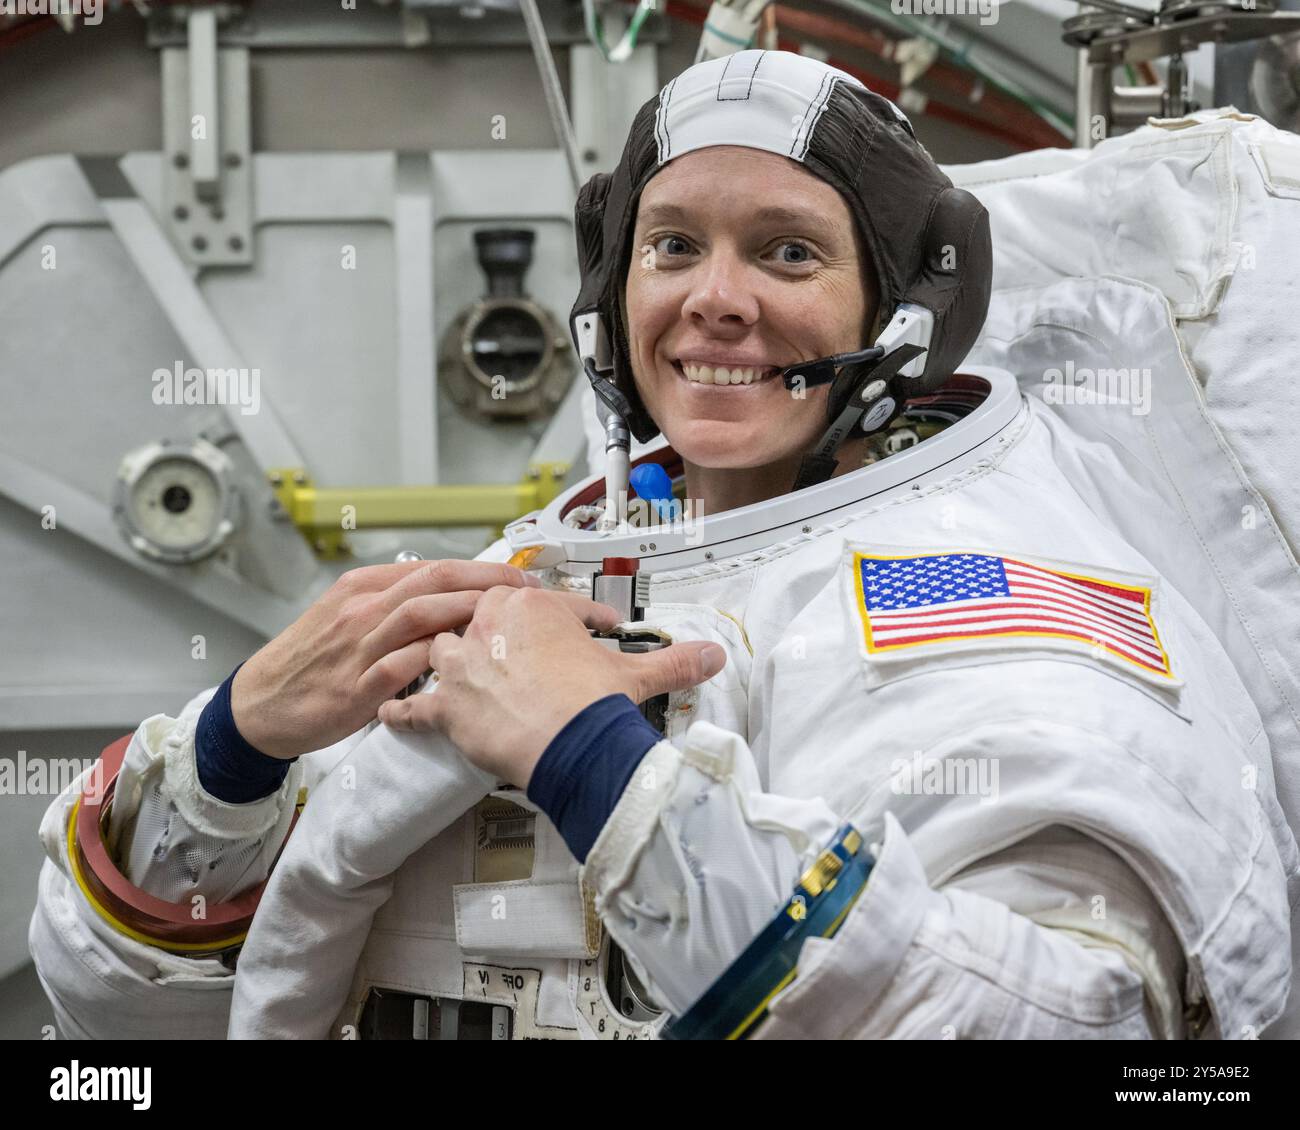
(676, 667)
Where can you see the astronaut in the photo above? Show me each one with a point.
(938, 753)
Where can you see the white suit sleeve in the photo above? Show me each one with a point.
(173, 838)
(391, 794)
(695, 860)
(172, 841)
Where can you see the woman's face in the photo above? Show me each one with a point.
(741, 260)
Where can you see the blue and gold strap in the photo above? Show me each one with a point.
(735, 1004)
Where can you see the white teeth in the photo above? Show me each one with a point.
(709, 375)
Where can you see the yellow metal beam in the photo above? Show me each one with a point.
(326, 514)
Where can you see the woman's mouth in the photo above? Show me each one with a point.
(724, 376)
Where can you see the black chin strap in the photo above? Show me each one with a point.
(869, 399)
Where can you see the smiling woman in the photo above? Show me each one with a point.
(770, 213)
(722, 292)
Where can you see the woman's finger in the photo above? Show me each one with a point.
(453, 575)
(445, 645)
(602, 617)
(417, 618)
(395, 670)
(417, 713)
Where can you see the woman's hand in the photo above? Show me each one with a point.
(525, 666)
(362, 641)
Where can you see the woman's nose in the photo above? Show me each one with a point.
(721, 291)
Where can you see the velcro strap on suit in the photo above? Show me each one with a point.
(526, 918)
(551, 913)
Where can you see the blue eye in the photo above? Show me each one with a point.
(664, 239)
(802, 247)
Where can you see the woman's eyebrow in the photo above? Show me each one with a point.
(661, 214)
(809, 220)
(672, 213)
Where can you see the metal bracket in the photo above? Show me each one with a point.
(208, 178)
(1142, 45)
(1123, 34)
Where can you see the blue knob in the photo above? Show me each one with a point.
(651, 482)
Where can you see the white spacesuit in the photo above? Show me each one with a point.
(1065, 784)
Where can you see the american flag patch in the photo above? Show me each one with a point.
(906, 602)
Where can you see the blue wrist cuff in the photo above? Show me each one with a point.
(229, 768)
(584, 770)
